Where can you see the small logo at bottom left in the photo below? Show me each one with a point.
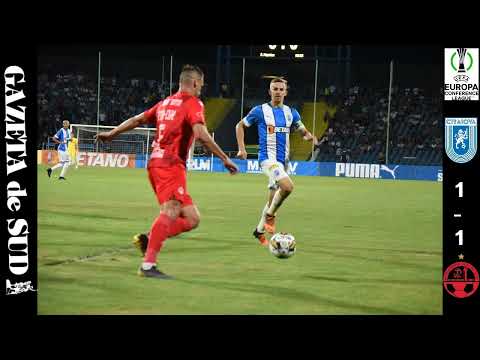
(20, 287)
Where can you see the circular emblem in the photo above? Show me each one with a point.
(461, 279)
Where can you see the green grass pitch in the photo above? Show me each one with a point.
(363, 247)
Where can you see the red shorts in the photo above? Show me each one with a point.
(170, 183)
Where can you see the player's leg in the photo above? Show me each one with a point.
(189, 216)
(259, 231)
(158, 234)
(65, 159)
(188, 220)
(55, 167)
(66, 164)
(261, 223)
(140, 241)
(285, 185)
(285, 189)
(170, 189)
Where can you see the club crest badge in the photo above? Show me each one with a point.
(461, 139)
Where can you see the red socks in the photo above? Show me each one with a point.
(163, 227)
(159, 232)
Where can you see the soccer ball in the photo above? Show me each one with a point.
(282, 245)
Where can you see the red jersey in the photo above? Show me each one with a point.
(174, 118)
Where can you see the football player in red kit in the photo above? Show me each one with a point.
(179, 119)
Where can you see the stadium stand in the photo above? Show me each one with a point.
(351, 123)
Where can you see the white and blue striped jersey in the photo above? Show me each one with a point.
(274, 126)
(63, 135)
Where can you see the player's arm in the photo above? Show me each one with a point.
(56, 138)
(299, 127)
(240, 133)
(251, 118)
(128, 124)
(307, 135)
(201, 133)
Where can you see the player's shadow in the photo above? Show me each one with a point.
(293, 294)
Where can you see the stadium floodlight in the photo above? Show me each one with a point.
(388, 112)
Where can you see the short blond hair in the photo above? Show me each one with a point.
(278, 80)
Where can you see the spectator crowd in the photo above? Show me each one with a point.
(357, 132)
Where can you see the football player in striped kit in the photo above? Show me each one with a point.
(275, 121)
(62, 137)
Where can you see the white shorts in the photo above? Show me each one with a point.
(63, 156)
(275, 172)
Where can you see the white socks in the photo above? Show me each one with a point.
(276, 202)
(64, 169)
(260, 226)
(147, 265)
(59, 165)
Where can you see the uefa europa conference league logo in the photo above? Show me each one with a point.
(461, 74)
